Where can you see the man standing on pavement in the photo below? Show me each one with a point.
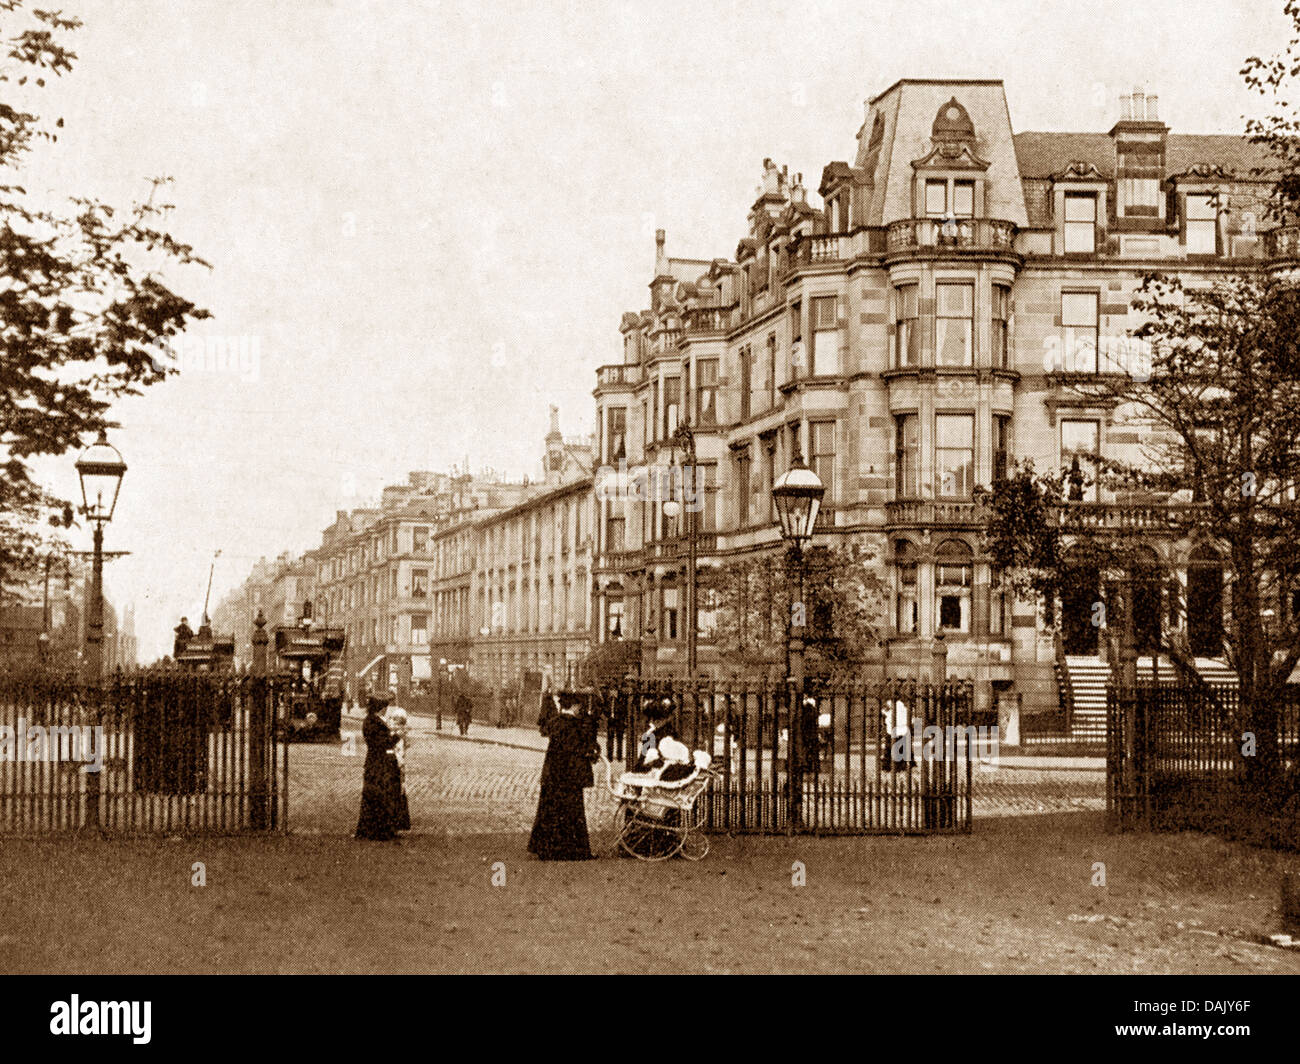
(464, 710)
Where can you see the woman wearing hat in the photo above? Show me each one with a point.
(560, 828)
(659, 716)
(381, 783)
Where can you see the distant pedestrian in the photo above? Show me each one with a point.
(381, 784)
(895, 737)
(464, 711)
(560, 827)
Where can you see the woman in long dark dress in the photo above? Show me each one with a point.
(560, 828)
(381, 784)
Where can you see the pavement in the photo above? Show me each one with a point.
(530, 739)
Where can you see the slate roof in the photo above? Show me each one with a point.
(1041, 155)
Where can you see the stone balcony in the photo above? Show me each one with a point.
(1131, 519)
(836, 247)
(704, 320)
(904, 235)
(619, 375)
(926, 512)
(960, 234)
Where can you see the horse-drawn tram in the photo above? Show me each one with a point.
(309, 660)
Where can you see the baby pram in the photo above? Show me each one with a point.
(656, 820)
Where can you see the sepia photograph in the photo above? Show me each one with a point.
(628, 488)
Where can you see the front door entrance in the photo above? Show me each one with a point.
(1205, 603)
(1146, 607)
(1079, 598)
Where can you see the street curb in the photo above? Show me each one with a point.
(484, 742)
(434, 733)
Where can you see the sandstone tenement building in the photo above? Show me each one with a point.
(911, 337)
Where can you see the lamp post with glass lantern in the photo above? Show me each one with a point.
(797, 495)
(100, 470)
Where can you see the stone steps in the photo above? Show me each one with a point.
(1089, 677)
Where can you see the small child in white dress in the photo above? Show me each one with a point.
(671, 762)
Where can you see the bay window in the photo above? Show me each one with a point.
(954, 324)
(706, 391)
(907, 454)
(822, 459)
(907, 337)
(1001, 446)
(954, 455)
(1001, 326)
(826, 338)
(952, 586)
(905, 601)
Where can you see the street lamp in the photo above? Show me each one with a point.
(797, 495)
(672, 510)
(101, 470)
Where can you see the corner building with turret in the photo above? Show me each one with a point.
(912, 335)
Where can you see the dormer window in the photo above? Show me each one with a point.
(936, 198)
(949, 197)
(1202, 224)
(963, 199)
(1139, 169)
(1080, 223)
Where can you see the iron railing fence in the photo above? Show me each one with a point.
(161, 750)
(1180, 760)
(843, 765)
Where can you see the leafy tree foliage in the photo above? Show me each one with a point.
(83, 305)
(756, 599)
(1219, 415)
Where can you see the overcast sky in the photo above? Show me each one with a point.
(426, 218)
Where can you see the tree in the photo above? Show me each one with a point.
(1220, 413)
(1278, 129)
(83, 308)
(754, 599)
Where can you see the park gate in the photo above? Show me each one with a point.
(841, 765)
(155, 751)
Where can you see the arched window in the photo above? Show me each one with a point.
(905, 612)
(952, 586)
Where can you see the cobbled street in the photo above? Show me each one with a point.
(489, 782)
